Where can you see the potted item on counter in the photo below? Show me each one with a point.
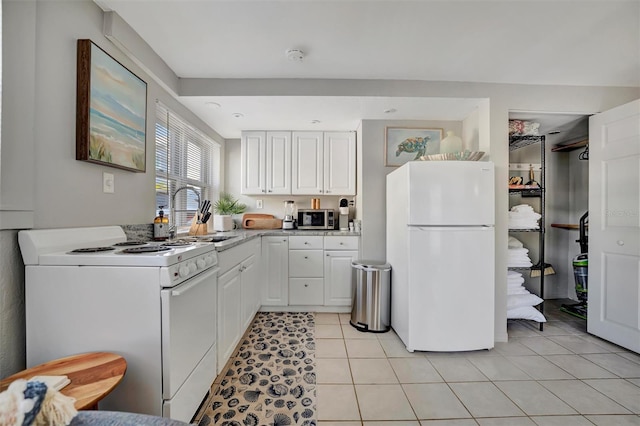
(224, 209)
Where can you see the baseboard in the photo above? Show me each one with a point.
(306, 308)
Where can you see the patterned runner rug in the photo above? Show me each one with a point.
(271, 379)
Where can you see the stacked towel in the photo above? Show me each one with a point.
(520, 302)
(518, 258)
(517, 255)
(523, 217)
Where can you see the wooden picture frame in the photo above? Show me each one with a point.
(402, 144)
(111, 111)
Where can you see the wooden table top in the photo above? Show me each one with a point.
(93, 375)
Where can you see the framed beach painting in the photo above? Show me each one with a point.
(111, 111)
(404, 144)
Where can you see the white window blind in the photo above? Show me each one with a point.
(185, 158)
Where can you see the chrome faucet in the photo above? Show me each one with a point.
(172, 225)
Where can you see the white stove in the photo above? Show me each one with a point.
(154, 303)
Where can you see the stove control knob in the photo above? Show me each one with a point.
(201, 263)
(193, 267)
(210, 259)
(184, 271)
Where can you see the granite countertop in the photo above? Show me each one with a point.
(239, 236)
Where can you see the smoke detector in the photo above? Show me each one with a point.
(294, 55)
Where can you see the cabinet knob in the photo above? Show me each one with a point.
(306, 257)
(306, 285)
(320, 191)
(327, 191)
(270, 190)
(284, 241)
(264, 190)
(620, 242)
(306, 243)
(341, 244)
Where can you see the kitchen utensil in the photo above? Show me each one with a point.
(206, 217)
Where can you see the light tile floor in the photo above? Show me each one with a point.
(561, 376)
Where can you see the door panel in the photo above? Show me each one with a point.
(278, 162)
(307, 163)
(614, 226)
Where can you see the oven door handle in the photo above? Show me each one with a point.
(194, 282)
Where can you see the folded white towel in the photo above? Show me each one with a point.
(518, 250)
(516, 290)
(514, 243)
(513, 274)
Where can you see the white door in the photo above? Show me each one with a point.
(278, 147)
(340, 163)
(253, 163)
(338, 288)
(229, 314)
(275, 261)
(614, 226)
(307, 173)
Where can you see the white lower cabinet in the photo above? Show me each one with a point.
(306, 267)
(238, 295)
(338, 289)
(308, 270)
(306, 291)
(275, 279)
(229, 314)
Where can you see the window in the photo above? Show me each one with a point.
(187, 161)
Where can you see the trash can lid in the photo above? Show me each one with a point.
(371, 264)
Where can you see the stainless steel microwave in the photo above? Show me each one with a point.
(316, 219)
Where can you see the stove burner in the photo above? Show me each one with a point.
(92, 250)
(177, 243)
(146, 249)
(130, 243)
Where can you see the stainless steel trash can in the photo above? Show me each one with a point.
(371, 309)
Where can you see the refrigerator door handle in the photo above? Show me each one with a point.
(454, 228)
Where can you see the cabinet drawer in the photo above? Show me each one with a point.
(339, 242)
(306, 263)
(306, 291)
(301, 242)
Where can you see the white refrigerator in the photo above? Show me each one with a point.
(440, 244)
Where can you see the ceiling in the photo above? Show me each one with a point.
(571, 42)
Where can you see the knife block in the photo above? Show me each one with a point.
(198, 228)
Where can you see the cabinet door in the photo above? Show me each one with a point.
(249, 270)
(337, 277)
(229, 310)
(275, 261)
(278, 163)
(253, 160)
(307, 159)
(339, 163)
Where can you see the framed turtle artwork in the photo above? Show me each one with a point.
(404, 144)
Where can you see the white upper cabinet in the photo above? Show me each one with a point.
(278, 163)
(307, 163)
(253, 165)
(339, 163)
(324, 163)
(299, 163)
(266, 163)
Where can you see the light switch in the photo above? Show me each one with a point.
(108, 183)
(258, 204)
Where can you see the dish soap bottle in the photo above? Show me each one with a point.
(161, 226)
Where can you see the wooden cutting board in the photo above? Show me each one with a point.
(260, 221)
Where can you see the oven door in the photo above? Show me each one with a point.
(188, 330)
